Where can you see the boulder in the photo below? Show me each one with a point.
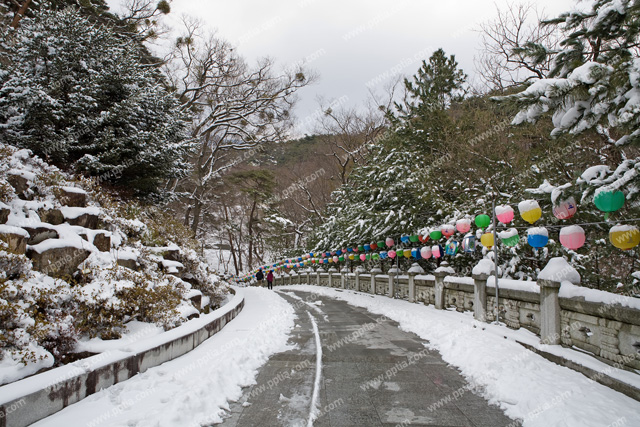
(86, 220)
(129, 263)
(196, 300)
(40, 234)
(15, 237)
(172, 254)
(19, 183)
(74, 197)
(171, 267)
(4, 213)
(102, 241)
(51, 216)
(57, 261)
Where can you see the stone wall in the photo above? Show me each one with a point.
(609, 331)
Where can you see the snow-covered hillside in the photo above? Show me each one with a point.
(80, 269)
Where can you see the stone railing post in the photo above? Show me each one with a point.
(357, 273)
(413, 272)
(318, 271)
(550, 326)
(374, 272)
(343, 276)
(480, 296)
(393, 271)
(308, 273)
(291, 277)
(332, 270)
(550, 278)
(441, 272)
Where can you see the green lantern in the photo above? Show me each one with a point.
(368, 257)
(483, 221)
(341, 258)
(413, 238)
(509, 237)
(360, 248)
(399, 254)
(609, 201)
(375, 256)
(435, 235)
(380, 244)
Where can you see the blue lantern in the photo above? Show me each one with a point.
(469, 243)
(537, 237)
(452, 248)
(367, 248)
(415, 253)
(404, 239)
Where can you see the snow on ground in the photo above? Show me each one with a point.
(193, 390)
(526, 386)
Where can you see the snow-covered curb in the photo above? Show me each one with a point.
(44, 394)
(525, 385)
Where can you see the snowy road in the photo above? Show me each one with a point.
(372, 374)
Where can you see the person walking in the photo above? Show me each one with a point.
(270, 279)
(260, 277)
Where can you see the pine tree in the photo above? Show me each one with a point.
(77, 94)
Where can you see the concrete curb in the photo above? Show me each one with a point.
(34, 398)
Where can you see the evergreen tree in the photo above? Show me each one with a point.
(76, 93)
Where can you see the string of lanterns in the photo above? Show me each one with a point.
(572, 237)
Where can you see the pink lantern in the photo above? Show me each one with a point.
(572, 237)
(335, 259)
(463, 225)
(425, 252)
(505, 214)
(363, 257)
(565, 209)
(436, 251)
(392, 254)
(447, 230)
(389, 242)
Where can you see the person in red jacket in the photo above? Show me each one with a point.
(270, 279)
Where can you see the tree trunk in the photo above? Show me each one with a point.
(250, 232)
(20, 13)
(233, 250)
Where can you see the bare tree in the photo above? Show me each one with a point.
(143, 17)
(234, 107)
(503, 61)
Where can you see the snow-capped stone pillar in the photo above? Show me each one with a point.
(393, 272)
(318, 271)
(374, 272)
(413, 272)
(332, 270)
(480, 296)
(291, 276)
(550, 280)
(441, 272)
(343, 275)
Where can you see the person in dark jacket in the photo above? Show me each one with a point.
(270, 279)
(260, 277)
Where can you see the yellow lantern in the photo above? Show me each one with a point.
(487, 240)
(407, 253)
(624, 237)
(530, 211)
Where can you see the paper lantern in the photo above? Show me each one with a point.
(341, 258)
(400, 253)
(392, 254)
(624, 237)
(368, 257)
(349, 250)
(435, 235)
(375, 256)
(425, 252)
(487, 240)
(383, 255)
(608, 201)
(452, 248)
(537, 237)
(360, 248)
(414, 238)
(530, 210)
(352, 257)
(367, 247)
(339, 252)
(463, 225)
(565, 209)
(509, 237)
(423, 238)
(373, 246)
(355, 249)
(469, 243)
(436, 251)
(404, 239)
(325, 261)
(572, 237)
(336, 259)
(447, 230)
(389, 242)
(363, 257)
(504, 214)
(381, 244)
(415, 253)
(482, 221)
(330, 260)
(406, 253)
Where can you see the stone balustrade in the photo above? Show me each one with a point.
(609, 331)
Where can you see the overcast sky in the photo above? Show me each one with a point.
(354, 45)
